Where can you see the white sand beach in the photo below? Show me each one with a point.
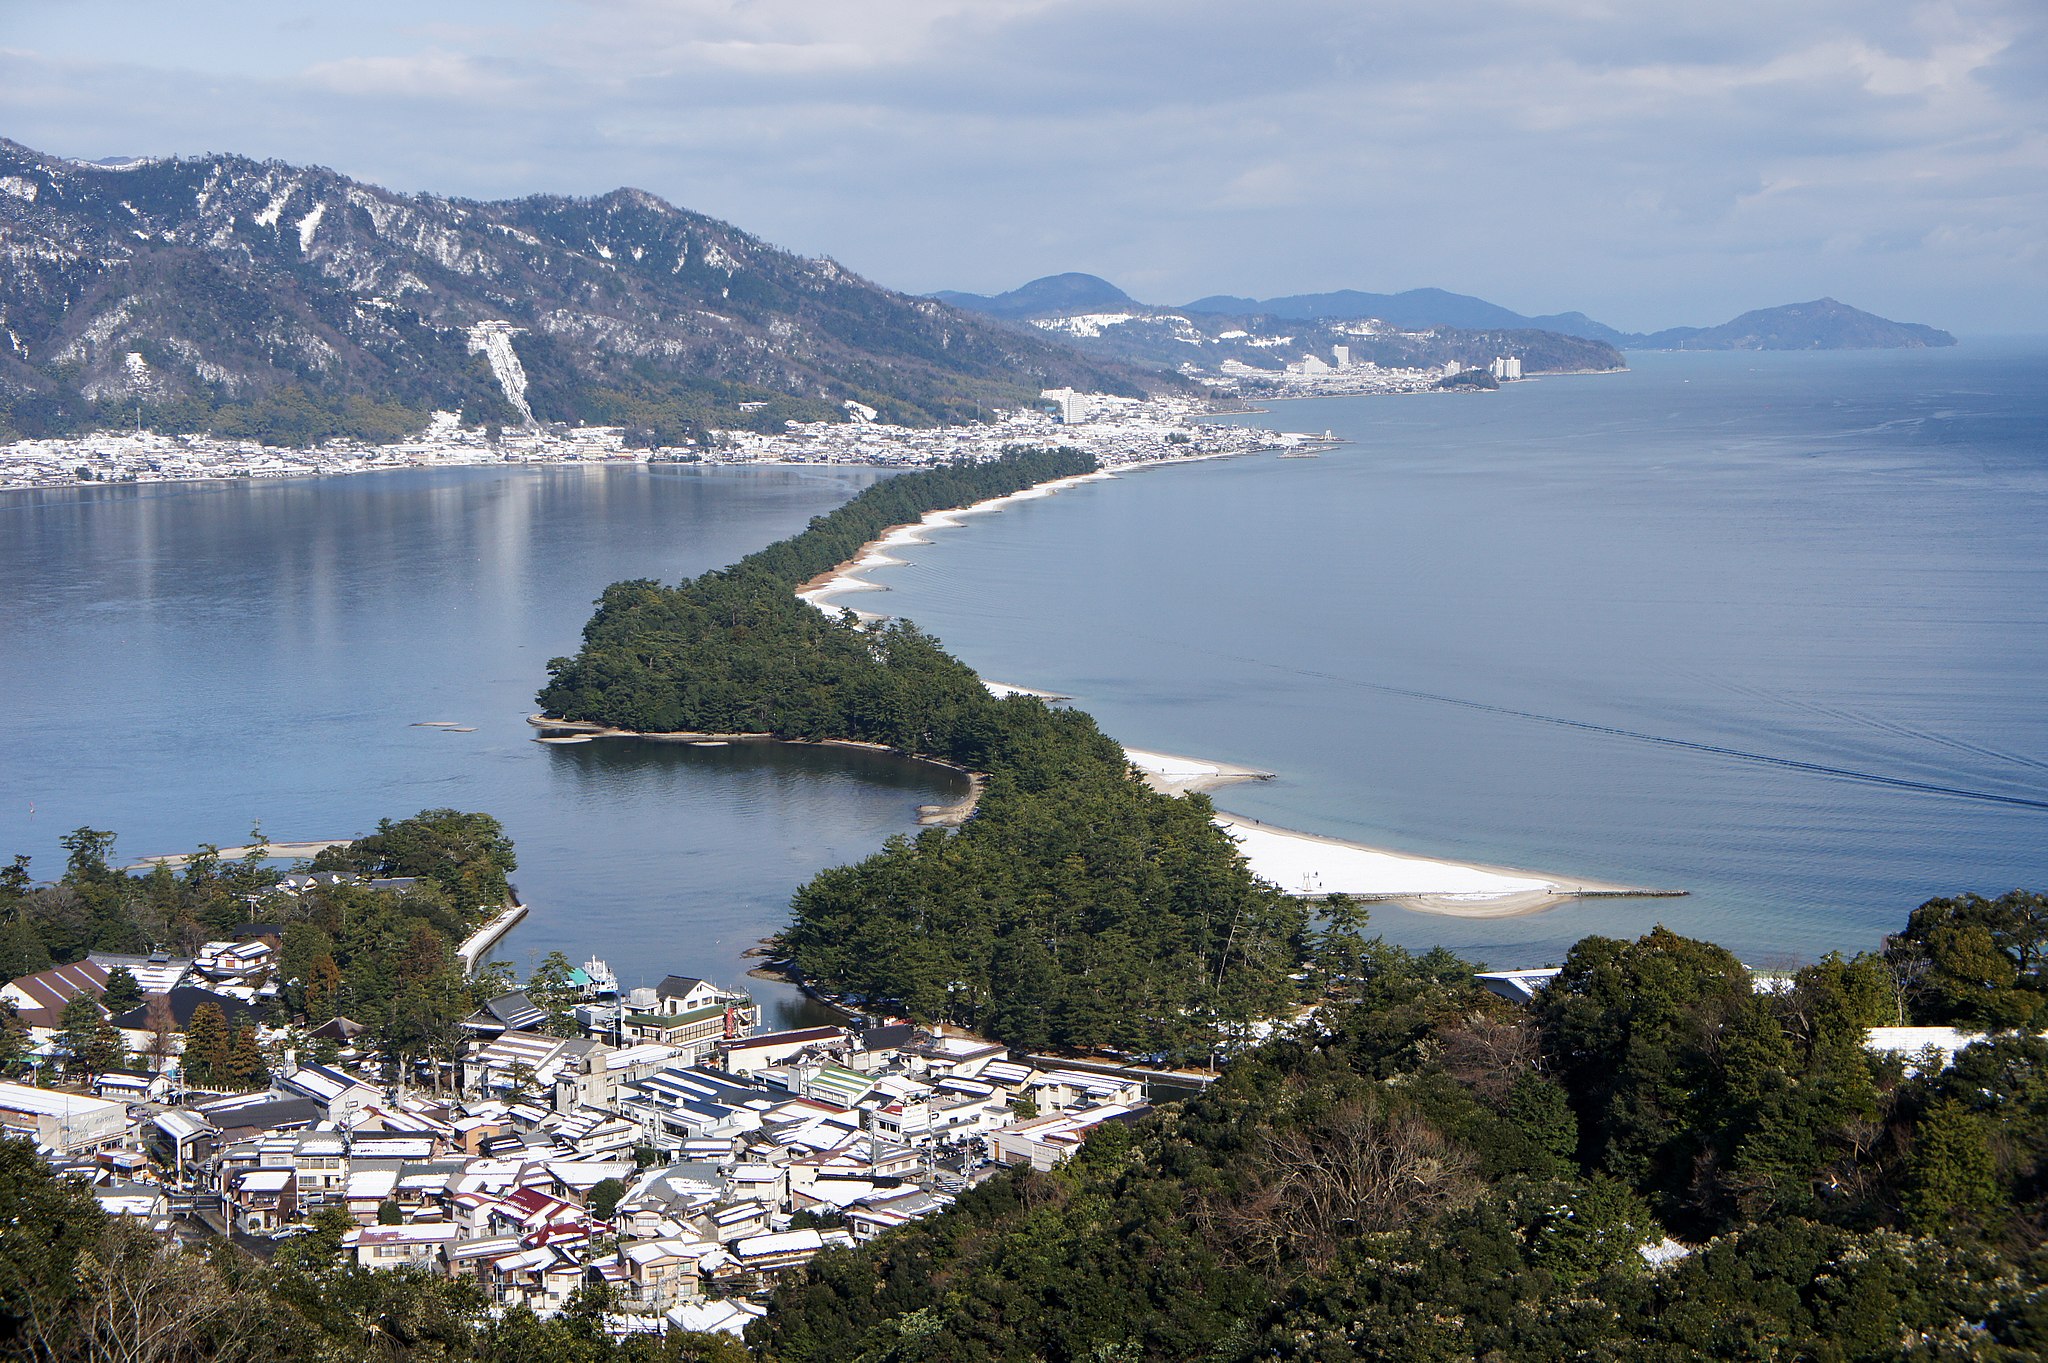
(1179, 775)
(1299, 863)
(1304, 864)
(1001, 689)
(820, 591)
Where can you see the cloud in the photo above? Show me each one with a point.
(1648, 164)
(435, 75)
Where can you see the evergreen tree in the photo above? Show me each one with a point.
(246, 1066)
(21, 949)
(323, 990)
(1949, 1174)
(206, 1057)
(79, 1035)
(15, 1041)
(123, 992)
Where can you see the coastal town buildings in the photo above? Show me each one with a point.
(1116, 430)
(687, 1175)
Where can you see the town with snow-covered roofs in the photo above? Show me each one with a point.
(1116, 430)
(667, 1148)
(656, 1142)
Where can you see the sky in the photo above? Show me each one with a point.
(1650, 164)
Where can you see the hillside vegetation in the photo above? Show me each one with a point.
(1432, 1174)
(290, 303)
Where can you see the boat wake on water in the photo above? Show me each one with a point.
(1873, 778)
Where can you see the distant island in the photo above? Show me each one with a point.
(1823, 324)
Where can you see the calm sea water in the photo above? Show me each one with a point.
(182, 661)
(1715, 624)
(1772, 629)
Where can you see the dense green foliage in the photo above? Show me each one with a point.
(1077, 908)
(467, 856)
(1976, 962)
(1430, 1173)
(383, 957)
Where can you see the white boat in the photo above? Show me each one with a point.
(602, 982)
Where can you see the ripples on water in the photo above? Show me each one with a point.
(1719, 623)
(1768, 628)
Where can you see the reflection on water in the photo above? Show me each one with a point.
(183, 661)
(701, 847)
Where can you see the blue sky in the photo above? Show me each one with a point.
(1650, 164)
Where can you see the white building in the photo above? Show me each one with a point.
(62, 1122)
(1073, 406)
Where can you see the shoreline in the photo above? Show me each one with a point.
(1306, 865)
(846, 576)
(275, 851)
(1433, 885)
(952, 815)
(478, 944)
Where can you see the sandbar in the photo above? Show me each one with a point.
(1001, 690)
(1311, 866)
(846, 577)
(274, 850)
(1174, 775)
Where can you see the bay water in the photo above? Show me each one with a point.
(1772, 629)
(1768, 628)
(182, 661)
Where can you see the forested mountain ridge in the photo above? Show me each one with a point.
(259, 298)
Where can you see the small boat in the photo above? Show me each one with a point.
(599, 981)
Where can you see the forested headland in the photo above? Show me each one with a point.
(382, 956)
(1076, 908)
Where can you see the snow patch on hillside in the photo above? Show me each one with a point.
(308, 225)
(493, 340)
(1084, 324)
(267, 216)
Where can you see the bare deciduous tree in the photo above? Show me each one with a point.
(1354, 1171)
(143, 1300)
(1487, 1054)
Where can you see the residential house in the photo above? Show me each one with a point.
(421, 1244)
(752, 1054)
(513, 1012)
(661, 1273)
(1044, 1142)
